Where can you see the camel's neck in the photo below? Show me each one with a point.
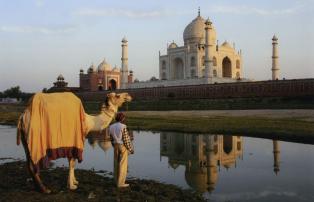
(100, 121)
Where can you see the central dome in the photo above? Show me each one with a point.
(195, 31)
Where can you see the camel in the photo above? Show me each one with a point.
(91, 123)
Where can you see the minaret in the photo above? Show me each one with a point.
(208, 58)
(211, 164)
(275, 65)
(124, 64)
(276, 152)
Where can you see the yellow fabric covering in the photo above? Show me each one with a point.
(57, 124)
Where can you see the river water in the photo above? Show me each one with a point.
(223, 168)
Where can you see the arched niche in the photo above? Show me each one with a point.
(226, 68)
(178, 69)
(227, 144)
(112, 85)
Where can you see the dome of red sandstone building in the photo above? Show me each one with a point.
(104, 66)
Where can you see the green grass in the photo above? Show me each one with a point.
(282, 128)
(9, 113)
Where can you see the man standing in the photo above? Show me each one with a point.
(122, 147)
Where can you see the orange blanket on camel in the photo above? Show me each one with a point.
(57, 127)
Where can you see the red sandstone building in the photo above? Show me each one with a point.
(103, 78)
(106, 77)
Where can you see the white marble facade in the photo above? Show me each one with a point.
(188, 61)
(185, 65)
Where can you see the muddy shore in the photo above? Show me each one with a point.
(16, 185)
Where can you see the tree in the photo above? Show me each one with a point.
(13, 92)
(153, 79)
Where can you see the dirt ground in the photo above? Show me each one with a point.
(16, 185)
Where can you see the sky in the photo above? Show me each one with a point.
(40, 39)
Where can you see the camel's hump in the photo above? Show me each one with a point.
(57, 100)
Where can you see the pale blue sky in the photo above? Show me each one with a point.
(39, 39)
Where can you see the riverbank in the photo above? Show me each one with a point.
(295, 125)
(289, 124)
(16, 185)
(9, 113)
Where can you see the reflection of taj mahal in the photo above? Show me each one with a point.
(201, 154)
(204, 155)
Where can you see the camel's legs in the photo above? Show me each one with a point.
(72, 162)
(29, 163)
(72, 182)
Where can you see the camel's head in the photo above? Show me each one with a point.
(116, 100)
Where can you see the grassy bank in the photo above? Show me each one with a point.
(287, 128)
(9, 113)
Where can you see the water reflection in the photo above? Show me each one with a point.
(202, 156)
(276, 152)
(102, 139)
(234, 168)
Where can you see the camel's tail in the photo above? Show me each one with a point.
(19, 130)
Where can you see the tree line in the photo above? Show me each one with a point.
(15, 92)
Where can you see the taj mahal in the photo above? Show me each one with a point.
(200, 51)
(201, 60)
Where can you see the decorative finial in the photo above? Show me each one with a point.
(208, 22)
(275, 38)
(199, 11)
(124, 40)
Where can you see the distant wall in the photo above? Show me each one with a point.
(183, 82)
(278, 88)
